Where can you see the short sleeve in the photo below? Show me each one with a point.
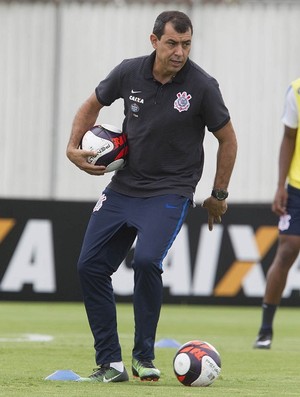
(215, 113)
(290, 112)
(108, 90)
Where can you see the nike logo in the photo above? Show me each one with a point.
(110, 379)
(135, 92)
(170, 206)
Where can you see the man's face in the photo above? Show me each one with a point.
(172, 50)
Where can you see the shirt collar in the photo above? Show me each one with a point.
(180, 76)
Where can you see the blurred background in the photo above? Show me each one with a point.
(54, 53)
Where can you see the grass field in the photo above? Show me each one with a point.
(245, 371)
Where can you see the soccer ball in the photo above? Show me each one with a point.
(197, 363)
(111, 146)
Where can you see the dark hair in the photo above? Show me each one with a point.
(180, 22)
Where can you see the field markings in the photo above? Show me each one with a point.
(28, 338)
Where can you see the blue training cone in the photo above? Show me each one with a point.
(167, 343)
(63, 374)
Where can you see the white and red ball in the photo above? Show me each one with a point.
(197, 363)
(111, 146)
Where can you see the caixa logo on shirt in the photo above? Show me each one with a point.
(134, 106)
(182, 103)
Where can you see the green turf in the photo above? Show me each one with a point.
(245, 372)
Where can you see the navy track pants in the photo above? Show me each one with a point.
(116, 221)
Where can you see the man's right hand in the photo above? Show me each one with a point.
(279, 202)
(80, 157)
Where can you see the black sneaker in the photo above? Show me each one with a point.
(263, 341)
(104, 373)
(145, 370)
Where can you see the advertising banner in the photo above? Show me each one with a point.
(40, 243)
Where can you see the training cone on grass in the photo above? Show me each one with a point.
(167, 343)
(63, 374)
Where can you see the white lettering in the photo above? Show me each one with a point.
(246, 250)
(178, 268)
(254, 282)
(207, 260)
(33, 260)
(136, 99)
(244, 243)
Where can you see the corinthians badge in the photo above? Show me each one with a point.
(182, 103)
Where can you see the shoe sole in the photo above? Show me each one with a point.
(95, 380)
(147, 378)
(122, 377)
(262, 347)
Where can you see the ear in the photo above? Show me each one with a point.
(154, 40)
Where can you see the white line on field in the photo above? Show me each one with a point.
(28, 338)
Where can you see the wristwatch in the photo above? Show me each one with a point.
(219, 194)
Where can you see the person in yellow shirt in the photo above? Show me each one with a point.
(286, 205)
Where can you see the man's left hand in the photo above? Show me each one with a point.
(215, 209)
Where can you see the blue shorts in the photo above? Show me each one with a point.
(289, 224)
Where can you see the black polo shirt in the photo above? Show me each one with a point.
(165, 125)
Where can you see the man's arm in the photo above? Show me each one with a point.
(84, 119)
(287, 149)
(226, 156)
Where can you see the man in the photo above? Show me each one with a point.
(168, 101)
(286, 205)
